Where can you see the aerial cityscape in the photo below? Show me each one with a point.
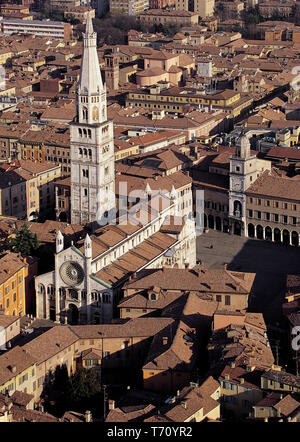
(150, 212)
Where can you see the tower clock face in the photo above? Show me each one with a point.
(71, 273)
(237, 185)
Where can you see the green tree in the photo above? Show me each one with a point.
(84, 385)
(24, 241)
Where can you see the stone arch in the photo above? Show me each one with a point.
(218, 223)
(277, 235)
(237, 208)
(50, 289)
(295, 238)
(72, 314)
(211, 222)
(85, 113)
(251, 230)
(237, 228)
(268, 233)
(286, 237)
(259, 232)
(95, 113)
(225, 225)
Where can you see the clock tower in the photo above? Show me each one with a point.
(91, 140)
(242, 173)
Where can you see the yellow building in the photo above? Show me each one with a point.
(14, 271)
(17, 283)
(17, 371)
(128, 7)
(4, 56)
(165, 17)
(27, 188)
(79, 13)
(180, 100)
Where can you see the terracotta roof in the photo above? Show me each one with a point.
(7, 320)
(269, 185)
(18, 357)
(287, 405)
(22, 399)
(50, 343)
(20, 414)
(202, 280)
(138, 327)
(10, 264)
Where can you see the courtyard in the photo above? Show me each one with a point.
(270, 261)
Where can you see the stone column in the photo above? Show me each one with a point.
(47, 305)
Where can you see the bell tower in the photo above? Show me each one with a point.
(112, 69)
(92, 147)
(242, 174)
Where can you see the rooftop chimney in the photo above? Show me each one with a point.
(183, 404)
(111, 404)
(165, 340)
(227, 377)
(225, 266)
(242, 380)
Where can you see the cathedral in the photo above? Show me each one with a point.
(86, 283)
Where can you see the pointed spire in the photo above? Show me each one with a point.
(88, 246)
(89, 24)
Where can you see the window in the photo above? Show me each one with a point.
(106, 354)
(285, 219)
(23, 379)
(250, 213)
(258, 213)
(259, 202)
(219, 298)
(276, 217)
(294, 206)
(294, 220)
(227, 300)
(41, 381)
(267, 216)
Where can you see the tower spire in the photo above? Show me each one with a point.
(91, 94)
(89, 24)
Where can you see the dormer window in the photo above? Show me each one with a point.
(153, 297)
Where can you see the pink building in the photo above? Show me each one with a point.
(163, 66)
